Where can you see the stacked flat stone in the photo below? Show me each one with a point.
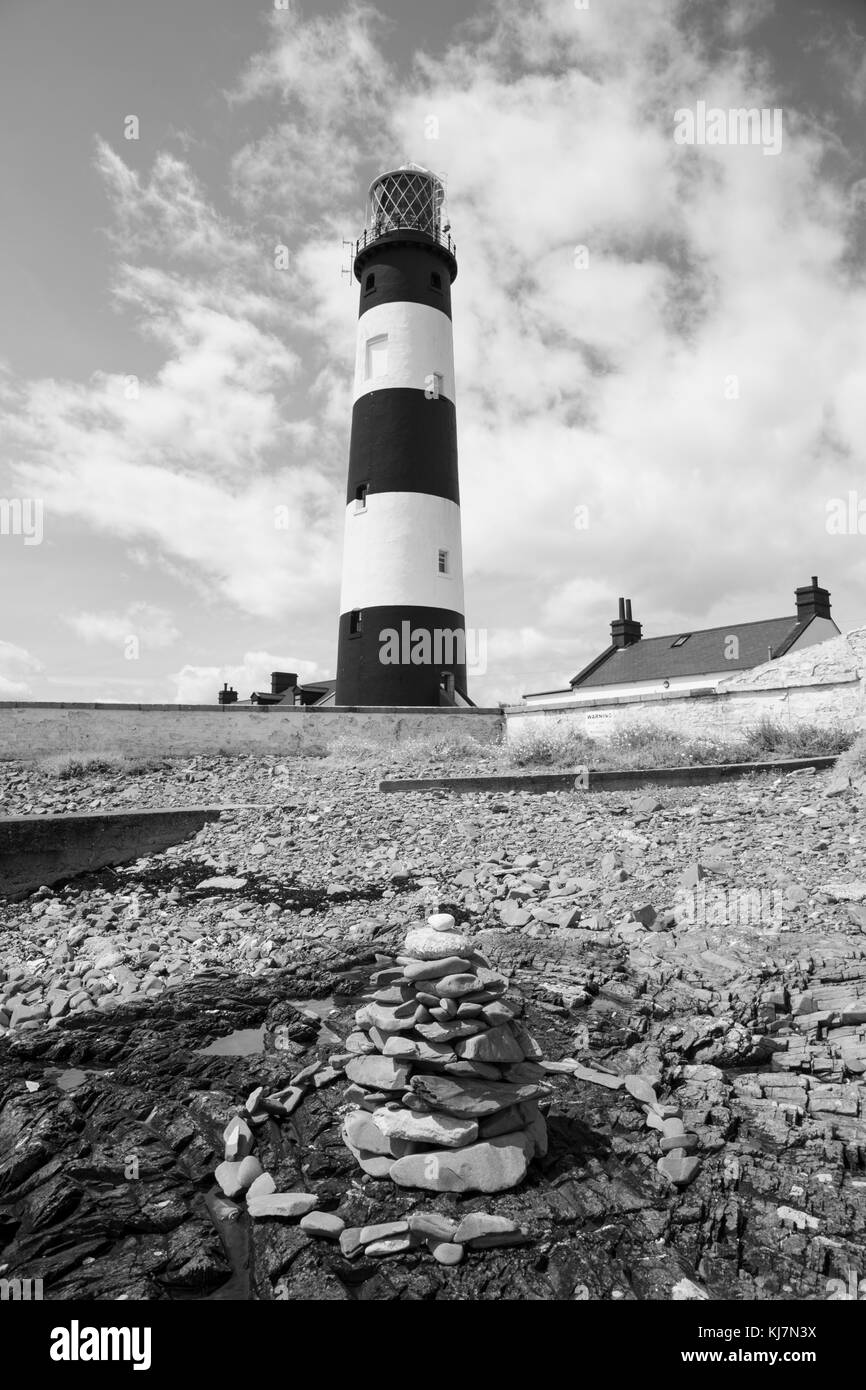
(446, 1080)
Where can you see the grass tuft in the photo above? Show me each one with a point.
(642, 746)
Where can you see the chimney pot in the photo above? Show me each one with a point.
(624, 631)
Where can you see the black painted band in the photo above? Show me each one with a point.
(363, 678)
(403, 442)
(406, 272)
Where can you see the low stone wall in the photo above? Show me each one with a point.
(824, 685)
(44, 730)
(722, 716)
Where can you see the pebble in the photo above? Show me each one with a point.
(679, 1171)
(446, 1031)
(360, 1132)
(238, 1138)
(435, 969)
(323, 1224)
(599, 1078)
(426, 944)
(249, 1169)
(444, 1252)
(640, 1089)
(441, 921)
(686, 1142)
(351, 1244)
(379, 1073)
(455, 986)
(226, 1175)
(288, 1205)
(432, 1223)
(262, 1186)
(496, 1045)
(482, 1223)
(384, 1231)
(394, 1245)
(418, 1050)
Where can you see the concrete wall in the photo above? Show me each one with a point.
(43, 730)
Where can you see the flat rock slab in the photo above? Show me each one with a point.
(423, 1127)
(497, 1045)
(425, 944)
(378, 1073)
(466, 1097)
(493, 1166)
(289, 1206)
(37, 850)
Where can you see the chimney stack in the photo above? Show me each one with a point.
(624, 630)
(226, 696)
(282, 681)
(812, 601)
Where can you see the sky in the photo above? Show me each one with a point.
(660, 346)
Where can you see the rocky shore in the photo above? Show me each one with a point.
(691, 965)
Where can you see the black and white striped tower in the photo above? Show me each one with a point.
(402, 562)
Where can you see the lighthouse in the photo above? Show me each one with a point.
(402, 634)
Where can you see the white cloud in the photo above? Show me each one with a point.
(152, 626)
(16, 665)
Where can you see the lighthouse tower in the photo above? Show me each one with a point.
(402, 633)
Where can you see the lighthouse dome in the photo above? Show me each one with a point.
(408, 197)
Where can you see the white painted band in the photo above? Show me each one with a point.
(391, 552)
(404, 345)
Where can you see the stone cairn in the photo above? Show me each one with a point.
(446, 1080)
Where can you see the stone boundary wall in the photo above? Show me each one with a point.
(711, 715)
(38, 730)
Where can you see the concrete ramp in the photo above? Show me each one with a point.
(36, 850)
(614, 780)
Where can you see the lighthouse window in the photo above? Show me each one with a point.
(361, 497)
(369, 283)
(443, 561)
(436, 280)
(355, 619)
(377, 356)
